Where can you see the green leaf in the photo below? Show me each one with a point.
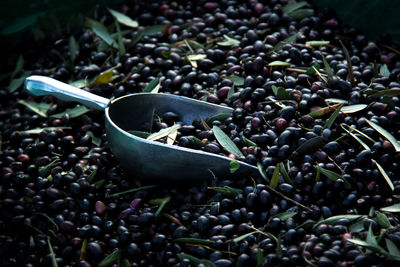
(260, 257)
(248, 142)
(384, 174)
(354, 108)
(20, 24)
(91, 176)
(39, 130)
(349, 65)
(383, 220)
(262, 171)
(111, 259)
(379, 93)
(357, 227)
(16, 83)
(18, 66)
(279, 63)
(317, 43)
(285, 174)
(323, 111)
(123, 19)
(311, 145)
(163, 132)
(73, 48)
(393, 249)
(44, 170)
(195, 45)
(333, 117)
(197, 141)
(153, 86)
(195, 260)
(79, 83)
(234, 166)
(275, 178)
(336, 100)
(73, 112)
(218, 117)
(367, 245)
(242, 237)
(161, 202)
(193, 241)
(151, 30)
(102, 78)
(334, 176)
(49, 219)
(285, 215)
(194, 58)
(386, 134)
(238, 81)
(301, 13)
(384, 71)
(354, 136)
(227, 191)
(133, 190)
(231, 92)
(226, 142)
(83, 250)
(327, 68)
(392, 208)
(101, 31)
(228, 41)
(38, 108)
(95, 140)
(293, 6)
(334, 219)
(280, 93)
(291, 39)
(370, 236)
(53, 256)
(121, 45)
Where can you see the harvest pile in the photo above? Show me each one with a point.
(316, 109)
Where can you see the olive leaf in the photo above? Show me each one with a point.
(317, 43)
(301, 13)
(101, 31)
(275, 177)
(123, 19)
(248, 142)
(280, 92)
(383, 221)
(73, 48)
(72, 112)
(323, 111)
(194, 58)
(163, 132)
(333, 117)
(311, 145)
(231, 92)
(386, 92)
(384, 174)
(195, 45)
(218, 117)
(262, 171)
(286, 9)
(392, 208)
(349, 65)
(327, 68)
(234, 166)
(384, 71)
(52, 254)
(334, 176)
(242, 237)
(357, 227)
(386, 134)
(285, 174)
(83, 250)
(228, 41)
(290, 40)
(354, 136)
(139, 133)
(393, 249)
(334, 219)
(151, 30)
(39, 130)
(285, 215)
(132, 190)
(44, 170)
(336, 100)
(226, 142)
(227, 190)
(39, 108)
(238, 81)
(161, 202)
(102, 78)
(111, 259)
(153, 86)
(353, 108)
(279, 63)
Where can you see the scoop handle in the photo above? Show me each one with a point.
(41, 85)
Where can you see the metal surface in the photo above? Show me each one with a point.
(140, 157)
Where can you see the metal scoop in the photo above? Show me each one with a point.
(142, 158)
